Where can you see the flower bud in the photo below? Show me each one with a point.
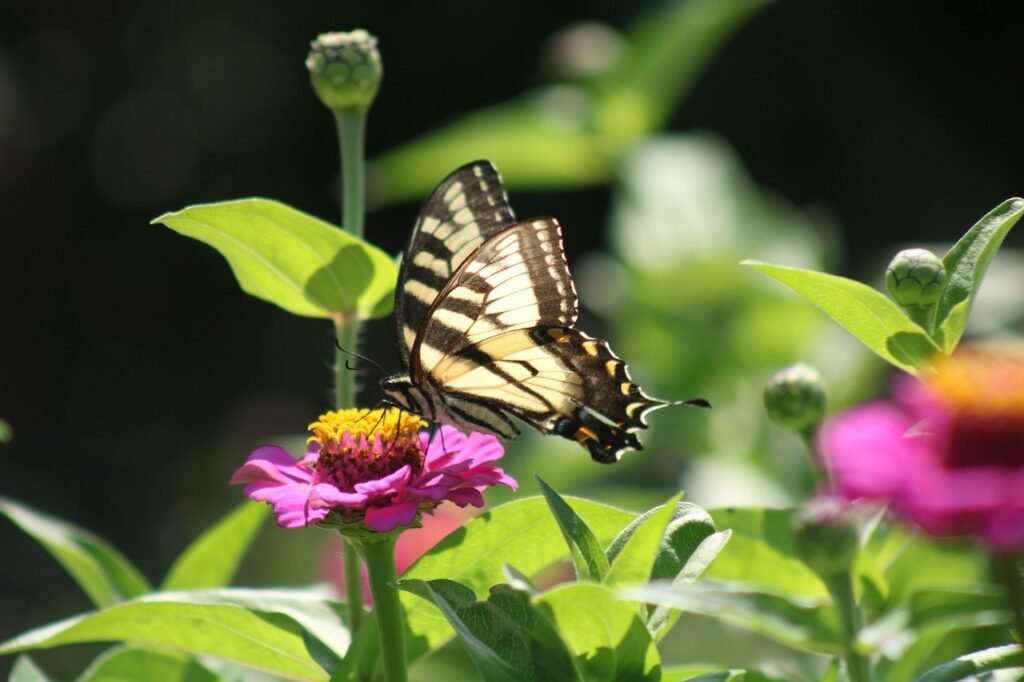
(345, 69)
(825, 536)
(795, 398)
(915, 278)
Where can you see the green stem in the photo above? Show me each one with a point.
(351, 127)
(841, 589)
(379, 555)
(925, 317)
(808, 435)
(1009, 574)
(353, 586)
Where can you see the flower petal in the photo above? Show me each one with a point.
(271, 463)
(388, 517)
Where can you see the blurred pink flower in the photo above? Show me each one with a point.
(374, 466)
(948, 453)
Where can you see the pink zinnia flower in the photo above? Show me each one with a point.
(948, 454)
(374, 466)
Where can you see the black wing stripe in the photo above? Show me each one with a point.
(464, 210)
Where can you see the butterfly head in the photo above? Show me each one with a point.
(402, 392)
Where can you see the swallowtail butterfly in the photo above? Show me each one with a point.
(485, 308)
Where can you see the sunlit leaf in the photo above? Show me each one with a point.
(606, 636)
(635, 560)
(668, 48)
(522, 534)
(505, 636)
(125, 663)
(966, 263)
(291, 259)
(572, 135)
(761, 554)
(105, 575)
(26, 670)
(872, 318)
(212, 558)
(803, 624)
(588, 556)
(292, 633)
(997, 658)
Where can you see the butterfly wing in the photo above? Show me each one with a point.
(462, 212)
(499, 338)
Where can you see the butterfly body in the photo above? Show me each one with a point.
(485, 308)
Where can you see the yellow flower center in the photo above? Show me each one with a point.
(984, 379)
(983, 390)
(361, 445)
(390, 424)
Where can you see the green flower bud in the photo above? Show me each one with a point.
(915, 278)
(345, 69)
(825, 536)
(795, 397)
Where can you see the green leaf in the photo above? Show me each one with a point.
(291, 259)
(522, 534)
(26, 670)
(872, 318)
(635, 561)
(536, 141)
(6, 432)
(733, 675)
(212, 558)
(588, 557)
(292, 633)
(101, 571)
(505, 636)
(966, 263)
(803, 624)
(761, 554)
(125, 663)
(606, 636)
(572, 135)
(997, 658)
(669, 47)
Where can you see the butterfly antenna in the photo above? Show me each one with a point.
(360, 356)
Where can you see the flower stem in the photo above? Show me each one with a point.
(924, 317)
(1010, 575)
(353, 586)
(351, 126)
(841, 588)
(379, 555)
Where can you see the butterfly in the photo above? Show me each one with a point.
(485, 307)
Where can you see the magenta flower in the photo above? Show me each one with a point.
(374, 466)
(948, 453)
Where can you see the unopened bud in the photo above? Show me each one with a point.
(825, 536)
(345, 69)
(915, 278)
(795, 397)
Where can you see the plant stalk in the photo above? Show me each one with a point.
(1009, 574)
(841, 588)
(351, 127)
(379, 556)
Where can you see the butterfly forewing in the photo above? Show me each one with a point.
(466, 208)
(486, 309)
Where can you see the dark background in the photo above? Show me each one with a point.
(134, 372)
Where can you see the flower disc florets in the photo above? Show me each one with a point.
(345, 69)
(372, 469)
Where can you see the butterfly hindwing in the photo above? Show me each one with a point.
(462, 212)
(559, 380)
